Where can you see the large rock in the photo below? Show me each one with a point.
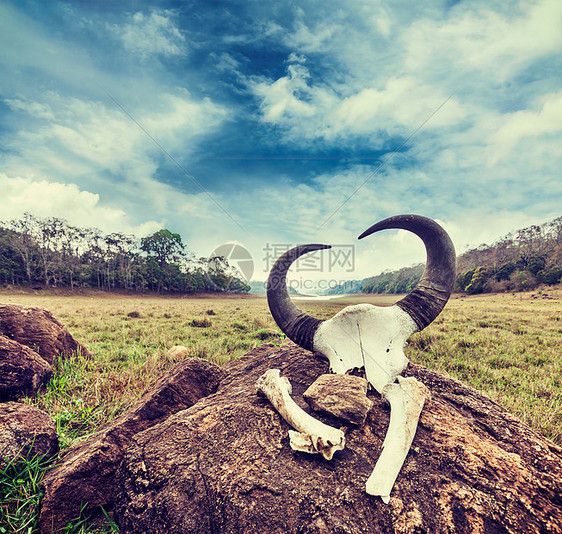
(39, 330)
(225, 466)
(25, 432)
(86, 474)
(22, 370)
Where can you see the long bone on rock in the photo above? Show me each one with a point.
(406, 403)
(313, 436)
(373, 338)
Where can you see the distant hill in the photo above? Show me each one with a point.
(519, 261)
(257, 287)
(401, 281)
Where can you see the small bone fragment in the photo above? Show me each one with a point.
(313, 436)
(407, 399)
(344, 396)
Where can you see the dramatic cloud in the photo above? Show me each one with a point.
(149, 34)
(261, 122)
(45, 199)
(524, 124)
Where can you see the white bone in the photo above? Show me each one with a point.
(313, 436)
(367, 336)
(406, 403)
(372, 337)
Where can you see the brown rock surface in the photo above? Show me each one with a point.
(22, 370)
(343, 396)
(225, 466)
(39, 330)
(87, 471)
(25, 432)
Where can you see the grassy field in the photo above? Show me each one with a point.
(508, 346)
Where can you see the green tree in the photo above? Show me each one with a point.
(25, 243)
(505, 271)
(11, 265)
(164, 246)
(536, 264)
(553, 275)
(478, 281)
(464, 279)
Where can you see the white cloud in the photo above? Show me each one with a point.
(100, 138)
(403, 103)
(35, 109)
(310, 111)
(92, 146)
(381, 20)
(380, 88)
(525, 124)
(477, 38)
(149, 34)
(280, 100)
(67, 201)
(318, 38)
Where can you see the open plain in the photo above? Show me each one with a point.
(509, 346)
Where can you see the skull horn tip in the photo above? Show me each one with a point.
(430, 295)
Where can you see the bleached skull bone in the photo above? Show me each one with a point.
(371, 337)
(365, 335)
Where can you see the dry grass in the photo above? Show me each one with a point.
(508, 346)
(130, 338)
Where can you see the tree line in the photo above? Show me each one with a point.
(519, 261)
(49, 252)
(401, 281)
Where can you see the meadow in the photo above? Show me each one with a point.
(509, 346)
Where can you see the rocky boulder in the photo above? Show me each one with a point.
(225, 465)
(22, 370)
(25, 432)
(39, 330)
(86, 473)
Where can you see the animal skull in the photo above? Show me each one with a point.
(373, 338)
(369, 337)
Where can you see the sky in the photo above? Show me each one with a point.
(271, 124)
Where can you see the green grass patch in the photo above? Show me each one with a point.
(20, 495)
(507, 346)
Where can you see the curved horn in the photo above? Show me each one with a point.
(299, 326)
(425, 302)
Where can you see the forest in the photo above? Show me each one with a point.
(48, 252)
(520, 261)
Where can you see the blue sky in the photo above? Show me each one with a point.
(283, 122)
